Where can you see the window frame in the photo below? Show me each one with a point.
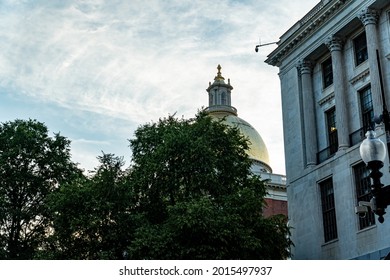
(360, 48)
(328, 209)
(327, 72)
(366, 107)
(331, 128)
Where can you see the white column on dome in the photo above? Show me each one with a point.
(229, 95)
(335, 46)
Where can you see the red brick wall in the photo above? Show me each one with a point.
(274, 207)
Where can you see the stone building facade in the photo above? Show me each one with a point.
(331, 63)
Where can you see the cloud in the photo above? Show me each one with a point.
(90, 142)
(124, 63)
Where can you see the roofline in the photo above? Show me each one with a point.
(301, 30)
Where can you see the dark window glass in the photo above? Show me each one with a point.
(332, 130)
(328, 210)
(363, 192)
(367, 116)
(327, 72)
(366, 108)
(360, 45)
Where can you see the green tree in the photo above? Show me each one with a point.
(198, 196)
(32, 165)
(93, 215)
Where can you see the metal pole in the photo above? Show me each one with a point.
(385, 114)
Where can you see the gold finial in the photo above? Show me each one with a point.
(219, 76)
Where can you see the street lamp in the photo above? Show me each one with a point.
(373, 153)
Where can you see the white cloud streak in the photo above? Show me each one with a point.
(140, 60)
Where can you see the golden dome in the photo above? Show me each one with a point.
(257, 149)
(220, 107)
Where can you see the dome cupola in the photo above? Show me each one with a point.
(220, 107)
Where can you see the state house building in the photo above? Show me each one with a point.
(330, 85)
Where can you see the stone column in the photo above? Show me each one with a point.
(369, 18)
(305, 68)
(335, 46)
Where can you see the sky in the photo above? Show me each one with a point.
(96, 70)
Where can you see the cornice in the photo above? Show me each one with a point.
(310, 23)
(360, 76)
(326, 99)
(275, 186)
(221, 109)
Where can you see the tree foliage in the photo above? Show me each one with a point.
(93, 216)
(198, 196)
(32, 164)
(188, 194)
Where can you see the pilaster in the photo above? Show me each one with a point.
(369, 18)
(335, 45)
(305, 69)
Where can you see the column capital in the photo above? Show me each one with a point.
(369, 16)
(334, 43)
(305, 66)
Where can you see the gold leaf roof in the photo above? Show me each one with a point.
(257, 149)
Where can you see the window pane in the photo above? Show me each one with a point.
(327, 72)
(366, 108)
(328, 210)
(332, 130)
(360, 45)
